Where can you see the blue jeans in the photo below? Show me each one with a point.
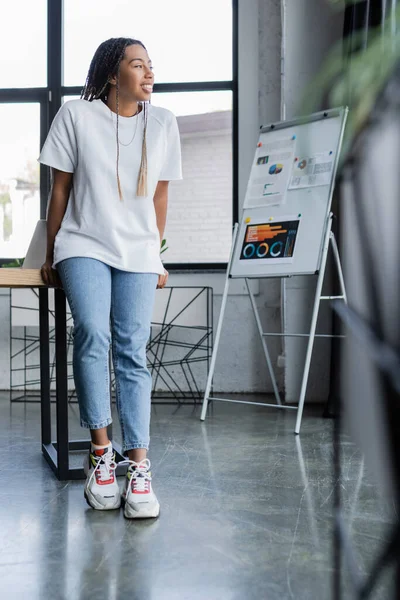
(98, 294)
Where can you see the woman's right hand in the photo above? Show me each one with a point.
(50, 275)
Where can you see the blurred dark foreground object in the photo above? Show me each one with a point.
(370, 363)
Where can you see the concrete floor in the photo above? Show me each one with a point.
(246, 509)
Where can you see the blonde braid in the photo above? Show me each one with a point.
(141, 189)
(117, 129)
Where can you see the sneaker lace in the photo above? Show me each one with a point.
(105, 466)
(140, 475)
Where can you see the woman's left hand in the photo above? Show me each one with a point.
(162, 279)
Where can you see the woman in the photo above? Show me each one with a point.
(112, 155)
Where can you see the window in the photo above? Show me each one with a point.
(200, 207)
(187, 41)
(23, 44)
(194, 60)
(23, 52)
(19, 177)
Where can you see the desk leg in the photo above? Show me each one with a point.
(57, 453)
(61, 384)
(44, 365)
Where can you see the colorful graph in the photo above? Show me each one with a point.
(276, 169)
(269, 240)
(302, 164)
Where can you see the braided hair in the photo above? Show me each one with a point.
(104, 65)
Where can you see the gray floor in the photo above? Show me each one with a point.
(246, 511)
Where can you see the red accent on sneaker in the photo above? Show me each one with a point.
(98, 474)
(100, 452)
(99, 481)
(140, 492)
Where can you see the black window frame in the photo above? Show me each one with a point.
(50, 99)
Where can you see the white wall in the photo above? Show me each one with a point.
(240, 364)
(312, 28)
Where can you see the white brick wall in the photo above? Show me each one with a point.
(199, 221)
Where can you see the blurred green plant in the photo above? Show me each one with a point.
(13, 264)
(163, 248)
(353, 75)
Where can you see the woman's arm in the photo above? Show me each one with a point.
(61, 187)
(161, 204)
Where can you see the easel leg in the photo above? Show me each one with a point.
(310, 346)
(219, 326)
(338, 266)
(215, 349)
(264, 344)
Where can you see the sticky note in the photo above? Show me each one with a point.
(271, 219)
(294, 137)
(247, 220)
(259, 145)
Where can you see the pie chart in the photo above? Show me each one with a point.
(302, 164)
(275, 169)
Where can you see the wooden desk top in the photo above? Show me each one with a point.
(21, 278)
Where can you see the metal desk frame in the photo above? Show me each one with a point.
(57, 453)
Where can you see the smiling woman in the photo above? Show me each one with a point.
(105, 223)
(121, 72)
(113, 113)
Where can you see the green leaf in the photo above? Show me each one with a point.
(13, 264)
(358, 80)
(163, 248)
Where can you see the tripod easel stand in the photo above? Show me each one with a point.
(329, 241)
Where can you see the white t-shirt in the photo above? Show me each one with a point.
(97, 224)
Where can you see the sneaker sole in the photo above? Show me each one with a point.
(93, 503)
(150, 512)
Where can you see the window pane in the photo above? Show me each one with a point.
(23, 44)
(187, 41)
(199, 223)
(19, 177)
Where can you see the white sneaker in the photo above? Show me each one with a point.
(101, 488)
(138, 498)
